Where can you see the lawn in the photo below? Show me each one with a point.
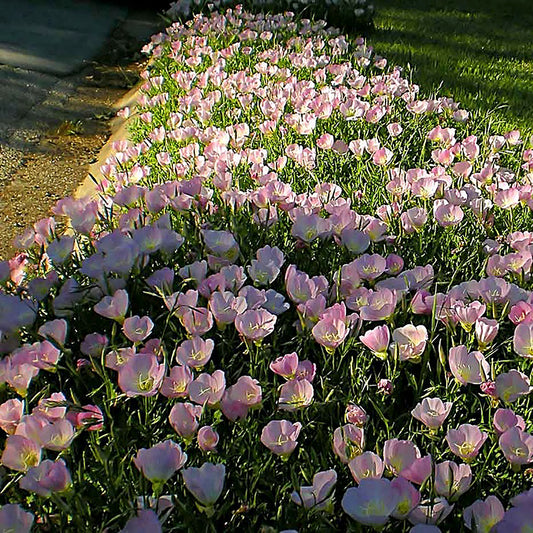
(477, 51)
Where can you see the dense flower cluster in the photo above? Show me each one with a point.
(347, 14)
(302, 299)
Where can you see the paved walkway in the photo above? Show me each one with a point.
(56, 36)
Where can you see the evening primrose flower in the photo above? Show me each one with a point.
(399, 455)
(371, 503)
(452, 480)
(222, 244)
(523, 340)
(366, 465)
(46, 478)
(517, 446)
(410, 341)
(348, 442)
(468, 367)
(205, 483)
(254, 324)
(505, 419)
(482, 516)
(137, 328)
(10, 415)
(15, 519)
(466, 441)
(207, 439)
(511, 385)
(114, 307)
(408, 497)
(160, 462)
(195, 352)
(146, 520)
(316, 496)
(295, 394)
(280, 436)
(432, 412)
(141, 375)
(20, 453)
(184, 417)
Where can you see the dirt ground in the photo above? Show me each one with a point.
(53, 163)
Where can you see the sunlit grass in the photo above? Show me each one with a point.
(477, 52)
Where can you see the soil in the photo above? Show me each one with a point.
(51, 164)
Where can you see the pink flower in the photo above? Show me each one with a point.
(57, 435)
(20, 453)
(184, 417)
(195, 352)
(222, 244)
(146, 520)
(255, 325)
(225, 306)
(114, 307)
(301, 288)
(295, 394)
(10, 415)
(371, 503)
(468, 367)
(511, 385)
(177, 383)
(380, 306)
(280, 436)
(431, 511)
(517, 446)
(482, 516)
(413, 219)
(348, 442)
(46, 478)
(385, 386)
(466, 441)
(399, 455)
(160, 462)
(355, 240)
(382, 156)
(55, 330)
(354, 414)
(410, 341)
(316, 496)
(208, 389)
(452, 480)
(366, 465)
(370, 267)
(523, 340)
(89, 417)
(207, 439)
(408, 497)
(141, 375)
(469, 314)
(330, 332)
(505, 419)
(137, 329)
(448, 214)
(432, 412)
(14, 519)
(285, 365)
(205, 483)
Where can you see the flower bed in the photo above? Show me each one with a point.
(302, 300)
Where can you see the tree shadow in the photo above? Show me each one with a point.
(467, 48)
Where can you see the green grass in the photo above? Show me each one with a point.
(477, 51)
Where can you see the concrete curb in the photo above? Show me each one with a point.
(119, 132)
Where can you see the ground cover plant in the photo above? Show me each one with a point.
(302, 301)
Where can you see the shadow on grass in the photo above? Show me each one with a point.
(479, 52)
